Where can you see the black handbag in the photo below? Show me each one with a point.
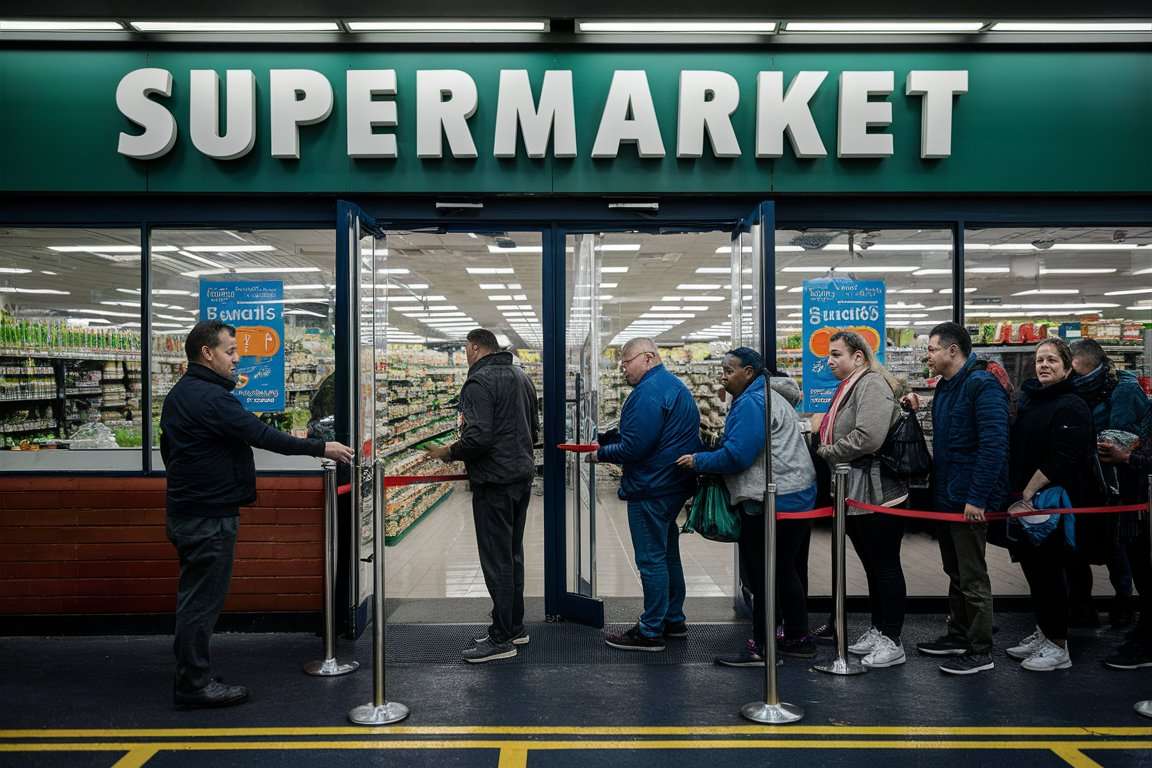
(905, 451)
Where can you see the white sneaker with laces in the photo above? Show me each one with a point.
(1027, 646)
(886, 653)
(865, 644)
(1048, 657)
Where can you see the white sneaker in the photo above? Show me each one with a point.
(886, 653)
(1027, 646)
(866, 643)
(1048, 657)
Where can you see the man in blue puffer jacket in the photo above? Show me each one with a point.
(659, 423)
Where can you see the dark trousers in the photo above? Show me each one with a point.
(877, 539)
(1140, 558)
(1044, 567)
(500, 513)
(206, 546)
(969, 588)
(792, 540)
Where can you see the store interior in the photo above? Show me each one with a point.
(71, 394)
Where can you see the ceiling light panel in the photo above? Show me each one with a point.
(449, 25)
(36, 25)
(235, 26)
(710, 27)
(885, 27)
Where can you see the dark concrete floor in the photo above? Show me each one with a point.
(569, 682)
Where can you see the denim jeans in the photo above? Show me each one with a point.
(656, 543)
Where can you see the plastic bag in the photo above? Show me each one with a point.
(711, 514)
(905, 451)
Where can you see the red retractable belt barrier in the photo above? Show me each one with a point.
(957, 517)
(811, 514)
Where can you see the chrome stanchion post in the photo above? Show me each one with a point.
(380, 711)
(843, 664)
(771, 710)
(329, 666)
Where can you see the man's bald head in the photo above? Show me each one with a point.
(637, 357)
(638, 345)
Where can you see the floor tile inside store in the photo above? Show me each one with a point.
(438, 558)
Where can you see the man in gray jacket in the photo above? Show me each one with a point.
(501, 424)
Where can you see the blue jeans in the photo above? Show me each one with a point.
(656, 543)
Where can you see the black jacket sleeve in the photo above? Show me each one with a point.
(1141, 458)
(477, 435)
(1069, 432)
(233, 422)
(534, 404)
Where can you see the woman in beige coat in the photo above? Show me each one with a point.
(863, 409)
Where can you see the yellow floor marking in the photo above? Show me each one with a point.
(206, 746)
(534, 730)
(1076, 758)
(513, 757)
(136, 758)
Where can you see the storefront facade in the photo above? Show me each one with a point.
(936, 169)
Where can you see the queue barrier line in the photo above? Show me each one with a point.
(956, 517)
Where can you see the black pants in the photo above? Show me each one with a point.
(206, 546)
(792, 539)
(500, 513)
(1140, 558)
(877, 539)
(1045, 567)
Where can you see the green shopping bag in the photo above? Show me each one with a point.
(711, 514)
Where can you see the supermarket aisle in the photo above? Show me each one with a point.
(438, 558)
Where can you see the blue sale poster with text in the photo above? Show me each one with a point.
(256, 309)
(834, 304)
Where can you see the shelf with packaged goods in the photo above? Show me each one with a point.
(1134, 349)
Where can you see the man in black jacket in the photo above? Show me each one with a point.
(206, 441)
(501, 424)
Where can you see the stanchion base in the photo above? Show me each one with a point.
(772, 714)
(1144, 708)
(841, 667)
(330, 668)
(370, 714)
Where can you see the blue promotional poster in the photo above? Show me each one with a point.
(256, 309)
(834, 304)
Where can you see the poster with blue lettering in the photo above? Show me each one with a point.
(834, 304)
(256, 309)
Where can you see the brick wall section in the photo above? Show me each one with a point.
(97, 545)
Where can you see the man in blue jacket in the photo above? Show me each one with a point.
(206, 440)
(969, 475)
(659, 423)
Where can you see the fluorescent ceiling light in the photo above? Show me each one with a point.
(666, 316)
(501, 297)
(930, 272)
(503, 307)
(713, 270)
(1087, 271)
(949, 290)
(619, 248)
(308, 312)
(818, 270)
(855, 268)
(915, 290)
(14, 271)
(992, 270)
(248, 271)
(884, 27)
(492, 286)
(490, 270)
(1139, 307)
(676, 307)
(29, 25)
(235, 26)
(107, 312)
(516, 249)
(201, 260)
(1046, 291)
(999, 246)
(108, 248)
(613, 270)
(38, 290)
(609, 285)
(307, 287)
(228, 248)
(1071, 26)
(680, 27)
(393, 271)
(797, 289)
(1096, 247)
(1129, 292)
(910, 316)
(697, 286)
(461, 25)
(907, 247)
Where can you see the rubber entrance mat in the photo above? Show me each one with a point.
(560, 644)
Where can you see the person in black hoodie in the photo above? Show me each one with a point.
(1052, 444)
(206, 440)
(501, 426)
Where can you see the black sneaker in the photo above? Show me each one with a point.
(945, 645)
(1129, 656)
(215, 694)
(520, 639)
(968, 664)
(634, 640)
(750, 656)
(825, 633)
(486, 650)
(800, 648)
(675, 629)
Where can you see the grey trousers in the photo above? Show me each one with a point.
(969, 588)
(206, 546)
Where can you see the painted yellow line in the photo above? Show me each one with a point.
(533, 730)
(1076, 758)
(513, 757)
(228, 746)
(136, 758)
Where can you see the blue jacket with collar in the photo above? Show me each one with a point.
(659, 423)
(969, 441)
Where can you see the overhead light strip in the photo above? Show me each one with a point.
(235, 26)
(1071, 26)
(886, 27)
(38, 25)
(680, 27)
(461, 25)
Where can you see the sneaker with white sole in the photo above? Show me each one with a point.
(1047, 657)
(520, 639)
(489, 651)
(866, 643)
(886, 653)
(1027, 646)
